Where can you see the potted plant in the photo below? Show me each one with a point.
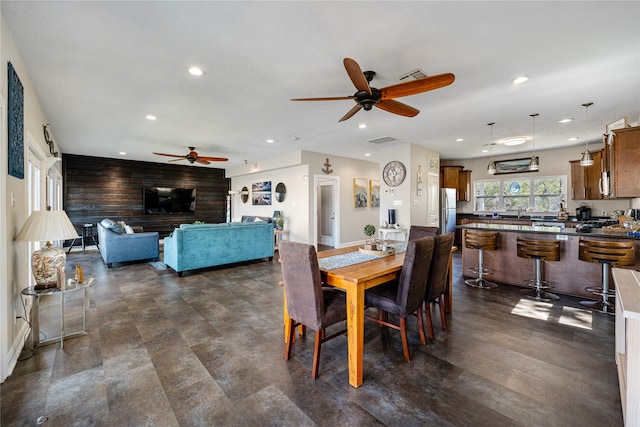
(280, 222)
(369, 231)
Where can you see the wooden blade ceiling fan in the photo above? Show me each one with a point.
(194, 157)
(367, 97)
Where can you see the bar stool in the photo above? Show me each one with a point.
(606, 253)
(86, 234)
(482, 241)
(539, 250)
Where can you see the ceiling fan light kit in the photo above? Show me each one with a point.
(587, 159)
(367, 97)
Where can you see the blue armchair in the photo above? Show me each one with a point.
(117, 246)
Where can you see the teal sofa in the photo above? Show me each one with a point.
(194, 246)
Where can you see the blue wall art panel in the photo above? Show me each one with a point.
(15, 121)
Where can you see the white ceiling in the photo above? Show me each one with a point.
(99, 67)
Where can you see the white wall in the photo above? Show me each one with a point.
(14, 257)
(552, 162)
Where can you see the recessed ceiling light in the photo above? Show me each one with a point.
(574, 138)
(485, 151)
(122, 153)
(367, 154)
(270, 141)
(195, 71)
(459, 139)
(362, 125)
(516, 140)
(567, 120)
(519, 80)
(294, 138)
(150, 117)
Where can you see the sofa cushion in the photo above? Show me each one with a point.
(110, 224)
(254, 218)
(200, 226)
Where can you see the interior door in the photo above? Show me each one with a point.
(326, 213)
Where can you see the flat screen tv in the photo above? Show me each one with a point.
(169, 200)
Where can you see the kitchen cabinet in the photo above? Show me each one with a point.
(621, 159)
(585, 180)
(458, 178)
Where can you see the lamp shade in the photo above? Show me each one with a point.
(49, 261)
(587, 159)
(44, 226)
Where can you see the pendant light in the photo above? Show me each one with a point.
(491, 168)
(533, 163)
(587, 159)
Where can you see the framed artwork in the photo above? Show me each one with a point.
(261, 193)
(15, 124)
(374, 187)
(434, 163)
(513, 166)
(361, 192)
(618, 124)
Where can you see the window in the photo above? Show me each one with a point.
(542, 194)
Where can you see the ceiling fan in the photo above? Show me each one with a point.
(367, 97)
(193, 157)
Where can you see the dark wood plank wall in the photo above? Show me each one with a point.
(96, 188)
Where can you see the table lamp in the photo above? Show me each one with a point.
(47, 226)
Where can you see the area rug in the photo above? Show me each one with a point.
(158, 265)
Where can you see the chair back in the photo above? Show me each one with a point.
(548, 250)
(481, 240)
(419, 231)
(611, 252)
(302, 283)
(438, 272)
(414, 274)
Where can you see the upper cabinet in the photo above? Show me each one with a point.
(621, 158)
(456, 177)
(586, 180)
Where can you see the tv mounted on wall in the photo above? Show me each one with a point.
(169, 200)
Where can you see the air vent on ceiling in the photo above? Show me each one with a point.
(413, 74)
(381, 140)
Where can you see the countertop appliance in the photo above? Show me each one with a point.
(583, 213)
(447, 210)
(587, 226)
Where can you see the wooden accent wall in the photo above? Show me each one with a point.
(96, 188)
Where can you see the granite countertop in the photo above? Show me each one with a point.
(595, 232)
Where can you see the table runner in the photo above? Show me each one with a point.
(343, 260)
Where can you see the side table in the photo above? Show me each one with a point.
(386, 231)
(279, 235)
(35, 294)
(86, 234)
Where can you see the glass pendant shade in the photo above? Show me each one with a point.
(491, 168)
(587, 159)
(533, 164)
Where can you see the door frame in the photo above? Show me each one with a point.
(336, 200)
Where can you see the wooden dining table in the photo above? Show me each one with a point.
(354, 279)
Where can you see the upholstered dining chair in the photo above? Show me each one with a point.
(438, 279)
(420, 231)
(404, 296)
(308, 303)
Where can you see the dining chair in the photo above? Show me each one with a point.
(420, 231)
(438, 279)
(308, 303)
(404, 296)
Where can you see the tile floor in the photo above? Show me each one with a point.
(207, 349)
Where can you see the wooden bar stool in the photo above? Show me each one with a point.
(539, 250)
(482, 241)
(606, 253)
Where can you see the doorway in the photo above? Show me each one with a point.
(327, 209)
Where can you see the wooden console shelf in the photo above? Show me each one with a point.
(628, 342)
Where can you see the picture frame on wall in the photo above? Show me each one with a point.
(513, 166)
(361, 192)
(374, 187)
(261, 193)
(15, 123)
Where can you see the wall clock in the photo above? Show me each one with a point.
(394, 173)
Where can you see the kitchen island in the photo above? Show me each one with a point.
(569, 275)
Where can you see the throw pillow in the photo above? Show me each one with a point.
(111, 225)
(128, 229)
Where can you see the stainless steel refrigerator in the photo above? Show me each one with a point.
(447, 210)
